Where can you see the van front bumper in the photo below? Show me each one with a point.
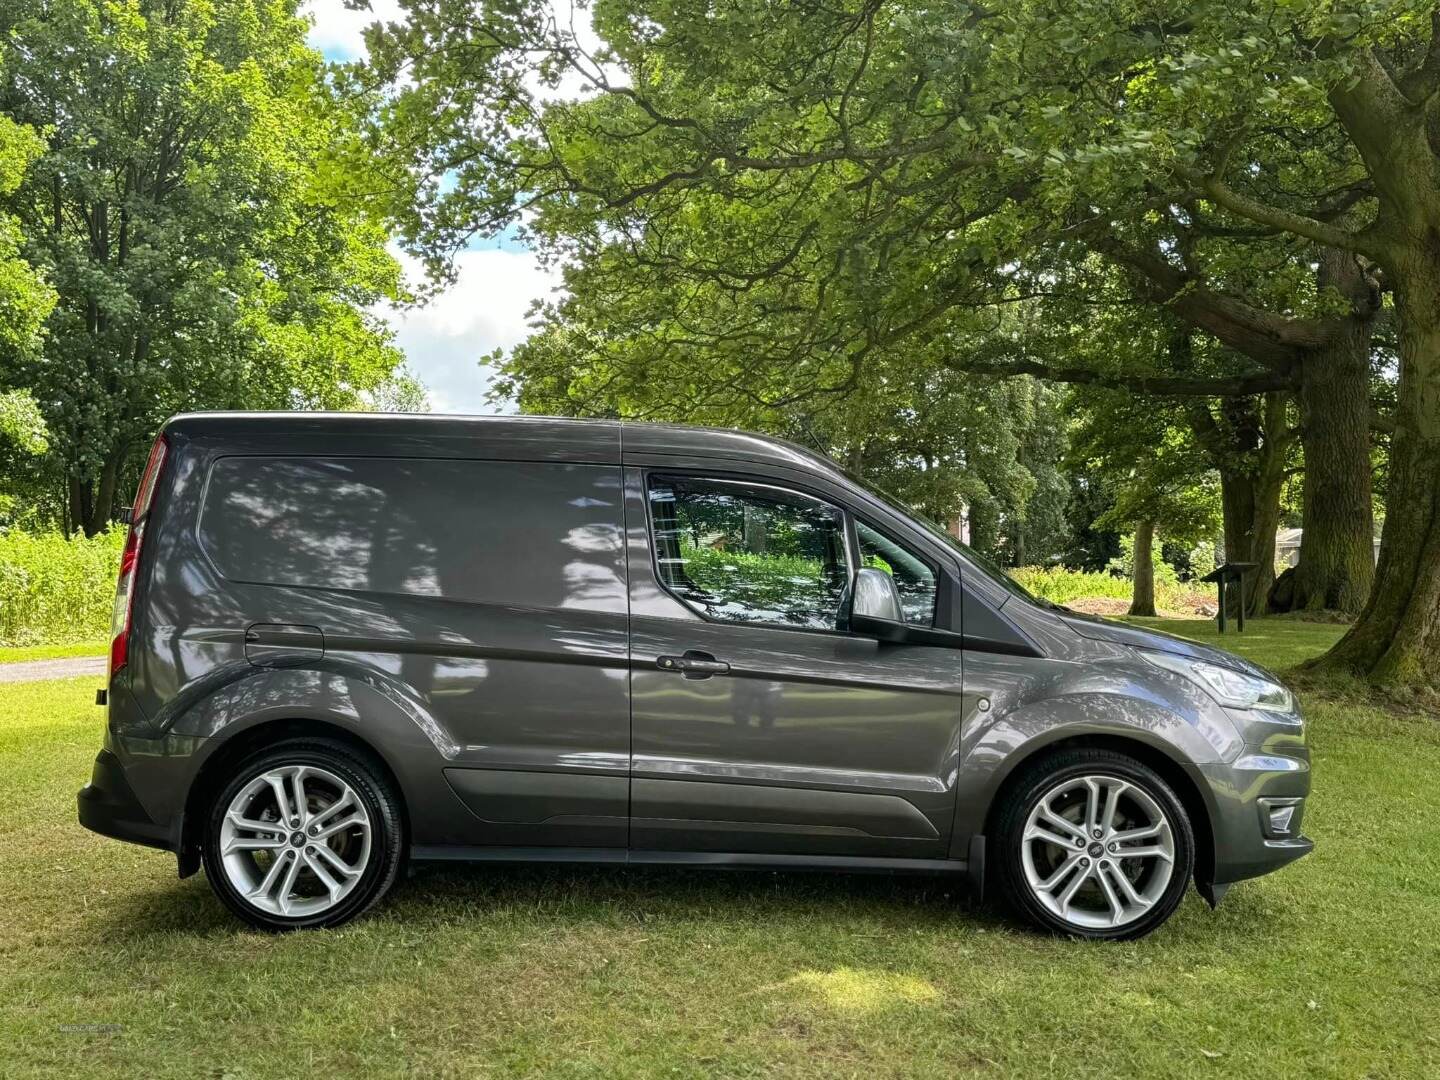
(108, 806)
(1259, 813)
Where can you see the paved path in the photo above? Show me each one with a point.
(35, 670)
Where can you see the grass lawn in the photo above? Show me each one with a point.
(109, 965)
(10, 653)
(1276, 643)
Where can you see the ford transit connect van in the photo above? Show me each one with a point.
(346, 641)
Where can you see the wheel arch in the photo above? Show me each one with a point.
(1186, 788)
(214, 771)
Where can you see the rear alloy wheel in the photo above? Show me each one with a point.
(1096, 845)
(306, 834)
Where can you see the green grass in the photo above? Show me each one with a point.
(13, 653)
(1276, 643)
(1329, 968)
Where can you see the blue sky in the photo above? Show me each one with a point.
(497, 279)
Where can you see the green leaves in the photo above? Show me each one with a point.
(180, 207)
(25, 298)
(21, 423)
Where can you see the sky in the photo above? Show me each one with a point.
(496, 280)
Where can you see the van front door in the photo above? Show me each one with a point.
(759, 725)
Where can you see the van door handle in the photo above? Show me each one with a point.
(694, 664)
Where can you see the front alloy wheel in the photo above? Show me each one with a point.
(1097, 845)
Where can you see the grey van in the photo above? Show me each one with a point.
(342, 642)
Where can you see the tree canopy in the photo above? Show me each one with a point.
(25, 299)
(175, 202)
(816, 197)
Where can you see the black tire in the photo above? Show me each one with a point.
(380, 801)
(1043, 775)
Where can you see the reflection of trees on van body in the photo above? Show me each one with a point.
(458, 576)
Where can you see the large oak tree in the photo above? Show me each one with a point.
(820, 185)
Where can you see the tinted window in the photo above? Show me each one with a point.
(749, 553)
(914, 577)
(507, 532)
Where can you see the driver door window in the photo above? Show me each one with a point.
(750, 553)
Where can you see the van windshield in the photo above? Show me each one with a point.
(983, 563)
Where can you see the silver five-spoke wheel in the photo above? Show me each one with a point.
(295, 840)
(1098, 852)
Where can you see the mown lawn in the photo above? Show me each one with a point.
(109, 965)
(1276, 643)
(12, 653)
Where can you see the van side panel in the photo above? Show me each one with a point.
(487, 598)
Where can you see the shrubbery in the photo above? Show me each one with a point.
(56, 590)
(1064, 586)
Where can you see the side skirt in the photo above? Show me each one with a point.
(715, 859)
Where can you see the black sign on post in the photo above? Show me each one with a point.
(1231, 573)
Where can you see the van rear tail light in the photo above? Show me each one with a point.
(122, 614)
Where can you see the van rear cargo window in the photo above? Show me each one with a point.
(532, 534)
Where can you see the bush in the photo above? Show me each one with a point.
(1064, 586)
(55, 590)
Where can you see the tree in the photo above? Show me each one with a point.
(945, 443)
(1040, 537)
(818, 185)
(25, 303)
(1162, 483)
(1249, 443)
(25, 299)
(981, 163)
(178, 207)
(1377, 70)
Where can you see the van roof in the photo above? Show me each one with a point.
(574, 439)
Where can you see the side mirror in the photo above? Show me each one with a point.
(875, 607)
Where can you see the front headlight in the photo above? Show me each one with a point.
(1226, 685)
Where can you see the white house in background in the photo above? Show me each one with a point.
(1287, 547)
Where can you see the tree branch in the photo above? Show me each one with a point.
(1321, 232)
(1157, 385)
(1423, 81)
(1389, 131)
(1263, 336)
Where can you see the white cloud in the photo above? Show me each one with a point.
(486, 307)
(484, 310)
(337, 29)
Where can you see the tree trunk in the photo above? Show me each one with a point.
(1142, 600)
(1337, 562)
(104, 506)
(1269, 480)
(1249, 453)
(1396, 640)
(77, 498)
(91, 500)
(1250, 509)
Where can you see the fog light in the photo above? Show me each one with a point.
(1280, 818)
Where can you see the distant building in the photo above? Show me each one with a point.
(1287, 547)
(959, 525)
